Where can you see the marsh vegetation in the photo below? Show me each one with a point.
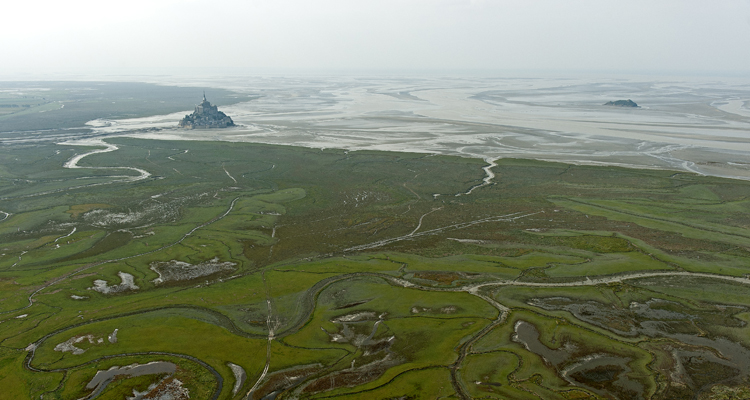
(260, 271)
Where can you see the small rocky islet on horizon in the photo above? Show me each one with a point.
(621, 103)
(206, 115)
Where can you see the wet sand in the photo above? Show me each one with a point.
(698, 125)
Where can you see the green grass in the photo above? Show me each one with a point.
(288, 234)
(85, 101)
(429, 383)
(19, 383)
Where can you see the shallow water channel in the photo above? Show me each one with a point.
(697, 352)
(604, 374)
(103, 378)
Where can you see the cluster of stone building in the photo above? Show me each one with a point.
(206, 115)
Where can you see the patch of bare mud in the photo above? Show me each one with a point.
(108, 219)
(286, 379)
(169, 389)
(113, 336)
(70, 344)
(127, 283)
(173, 270)
(156, 367)
(720, 392)
(360, 330)
(142, 216)
(439, 277)
(366, 315)
(428, 310)
(165, 387)
(239, 377)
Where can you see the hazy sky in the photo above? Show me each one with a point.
(151, 36)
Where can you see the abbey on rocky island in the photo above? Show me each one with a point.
(206, 115)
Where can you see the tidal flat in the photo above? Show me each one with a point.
(692, 124)
(347, 271)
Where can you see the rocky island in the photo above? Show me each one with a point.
(206, 115)
(621, 103)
